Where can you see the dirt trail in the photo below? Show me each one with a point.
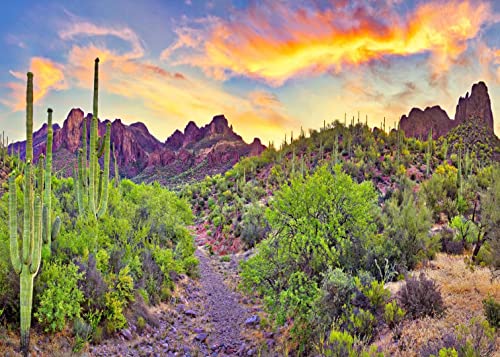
(207, 319)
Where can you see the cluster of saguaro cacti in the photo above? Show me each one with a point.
(92, 183)
(26, 259)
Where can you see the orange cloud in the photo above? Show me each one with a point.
(48, 75)
(173, 96)
(275, 42)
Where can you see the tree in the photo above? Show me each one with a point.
(317, 222)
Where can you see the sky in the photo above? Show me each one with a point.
(271, 66)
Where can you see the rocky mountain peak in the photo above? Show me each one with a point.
(476, 106)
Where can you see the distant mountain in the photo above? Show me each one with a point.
(476, 106)
(185, 156)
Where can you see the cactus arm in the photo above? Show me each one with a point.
(28, 208)
(56, 227)
(14, 245)
(105, 182)
(36, 253)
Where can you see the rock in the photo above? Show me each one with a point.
(190, 313)
(126, 334)
(198, 330)
(253, 320)
(201, 337)
(477, 106)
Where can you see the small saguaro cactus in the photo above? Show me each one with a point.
(26, 259)
(92, 184)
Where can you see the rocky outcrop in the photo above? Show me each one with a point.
(214, 147)
(476, 106)
(419, 122)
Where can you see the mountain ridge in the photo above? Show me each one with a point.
(477, 105)
(137, 150)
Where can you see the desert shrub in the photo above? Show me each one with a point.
(93, 286)
(421, 297)
(337, 291)
(255, 225)
(60, 298)
(362, 324)
(376, 293)
(447, 342)
(477, 338)
(341, 343)
(492, 311)
(393, 314)
(407, 224)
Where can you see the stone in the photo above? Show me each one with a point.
(190, 313)
(201, 337)
(253, 320)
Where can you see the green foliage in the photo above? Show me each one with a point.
(393, 314)
(407, 223)
(492, 311)
(317, 222)
(341, 343)
(61, 298)
(376, 293)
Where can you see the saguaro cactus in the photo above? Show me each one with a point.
(92, 183)
(26, 260)
(49, 231)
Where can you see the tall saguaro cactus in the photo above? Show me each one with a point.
(26, 259)
(92, 183)
(49, 231)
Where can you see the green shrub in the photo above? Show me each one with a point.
(60, 298)
(362, 323)
(376, 293)
(393, 314)
(492, 311)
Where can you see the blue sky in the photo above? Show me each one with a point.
(270, 67)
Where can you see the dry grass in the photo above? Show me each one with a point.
(463, 289)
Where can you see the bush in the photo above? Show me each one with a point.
(393, 314)
(343, 344)
(421, 297)
(60, 298)
(336, 293)
(492, 311)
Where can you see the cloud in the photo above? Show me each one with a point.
(87, 29)
(48, 76)
(274, 41)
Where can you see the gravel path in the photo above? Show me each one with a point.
(207, 320)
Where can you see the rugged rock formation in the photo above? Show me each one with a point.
(211, 149)
(477, 106)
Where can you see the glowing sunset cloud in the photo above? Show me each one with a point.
(49, 76)
(274, 42)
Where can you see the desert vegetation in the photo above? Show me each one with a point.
(355, 242)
